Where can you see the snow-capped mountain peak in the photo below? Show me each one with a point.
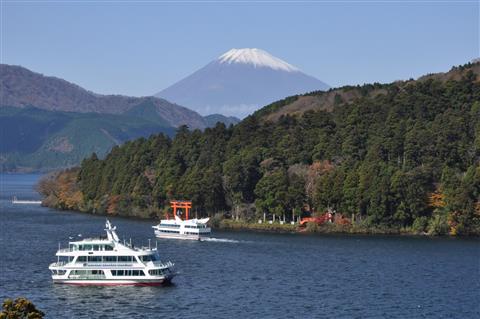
(257, 58)
(239, 82)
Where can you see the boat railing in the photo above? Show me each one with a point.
(106, 264)
(64, 250)
(86, 276)
(94, 264)
(58, 264)
(163, 265)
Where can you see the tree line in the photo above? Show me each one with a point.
(408, 157)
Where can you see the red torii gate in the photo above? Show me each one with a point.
(182, 204)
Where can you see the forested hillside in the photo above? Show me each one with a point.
(401, 155)
(33, 139)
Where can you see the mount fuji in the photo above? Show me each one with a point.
(239, 82)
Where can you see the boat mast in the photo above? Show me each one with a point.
(111, 233)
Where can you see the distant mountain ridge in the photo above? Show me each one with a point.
(239, 82)
(49, 123)
(20, 87)
(213, 119)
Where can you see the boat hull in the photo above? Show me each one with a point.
(180, 236)
(112, 282)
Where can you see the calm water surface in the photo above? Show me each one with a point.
(250, 276)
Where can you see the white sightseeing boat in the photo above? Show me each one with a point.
(106, 261)
(194, 229)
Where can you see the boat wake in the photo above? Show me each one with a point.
(220, 240)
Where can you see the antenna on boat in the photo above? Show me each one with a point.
(149, 240)
(156, 244)
(58, 257)
(130, 241)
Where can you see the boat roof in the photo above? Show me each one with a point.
(178, 221)
(100, 239)
(111, 238)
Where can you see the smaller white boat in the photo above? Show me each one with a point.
(193, 229)
(15, 200)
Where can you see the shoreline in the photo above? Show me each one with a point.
(276, 228)
(333, 229)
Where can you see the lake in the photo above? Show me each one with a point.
(243, 274)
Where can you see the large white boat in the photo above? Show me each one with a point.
(106, 261)
(194, 229)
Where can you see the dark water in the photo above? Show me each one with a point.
(251, 276)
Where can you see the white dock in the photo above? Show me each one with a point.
(15, 200)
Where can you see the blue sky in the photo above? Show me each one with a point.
(140, 48)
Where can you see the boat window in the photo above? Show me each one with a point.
(169, 231)
(108, 247)
(94, 258)
(127, 273)
(110, 258)
(87, 247)
(155, 272)
(81, 258)
(96, 247)
(124, 258)
(149, 258)
(146, 258)
(86, 272)
(169, 225)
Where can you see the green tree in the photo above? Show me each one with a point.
(271, 193)
(21, 308)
